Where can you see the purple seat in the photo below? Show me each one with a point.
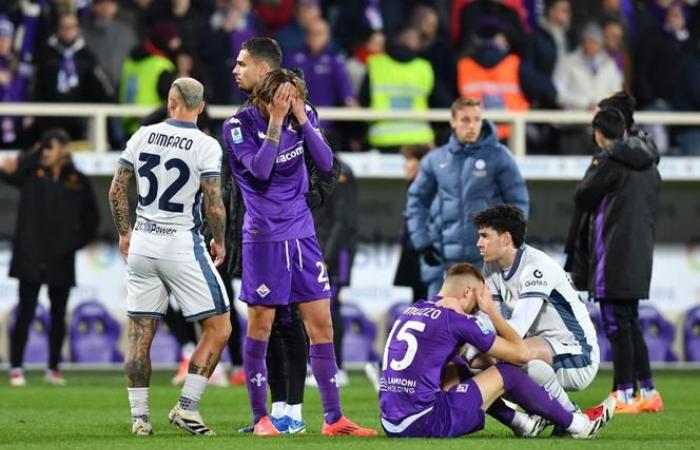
(603, 342)
(37, 348)
(393, 314)
(358, 340)
(692, 335)
(94, 335)
(165, 349)
(658, 334)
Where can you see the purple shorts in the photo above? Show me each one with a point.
(455, 413)
(282, 273)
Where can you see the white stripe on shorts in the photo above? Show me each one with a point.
(286, 253)
(301, 263)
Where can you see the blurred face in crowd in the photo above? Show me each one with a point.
(68, 29)
(410, 38)
(5, 45)
(493, 246)
(180, 7)
(412, 166)
(591, 46)
(105, 10)
(560, 14)
(307, 13)
(675, 20)
(317, 36)
(466, 124)
(612, 5)
(53, 155)
(248, 72)
(613, 35)
(184, 64)
(376, 43)
(427, 22)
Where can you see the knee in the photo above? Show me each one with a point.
(320, 333)
(259, 329)
(539, 371)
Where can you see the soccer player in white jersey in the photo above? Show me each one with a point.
(542, 303)
(176, 164)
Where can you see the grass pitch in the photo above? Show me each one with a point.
(93, 412)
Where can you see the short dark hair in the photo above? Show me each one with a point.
(464, 268)
(610, 123)
(504, 218)
(624, 102)
(53, 134)
(265, 49)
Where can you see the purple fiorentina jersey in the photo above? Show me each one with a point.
(422, 341)
(276, 208)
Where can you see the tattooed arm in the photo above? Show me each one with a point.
(137, 364)
(216, 217)
(119, 203)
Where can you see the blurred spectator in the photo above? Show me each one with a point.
(587, 74)
(138, 14)
(108, 38)
(230, 25)
(550, 43)
(435, 47)
(657, 55)
(507, 13)
(187, 20)
(67, 72)
(148, 72)
(400, 80)
(408, 271)
(615, 45)
(324, 70)
(12, 130)
(57, 216)
(274, 14)
(352, 22)
(370, 43)
(293, 36)
(687, 97)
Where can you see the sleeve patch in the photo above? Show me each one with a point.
(485, 329)
(236, 135)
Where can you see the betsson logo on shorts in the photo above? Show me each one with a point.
(286, 157)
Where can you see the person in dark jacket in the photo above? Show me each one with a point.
(336, 229)
(57, 216)
(620, 193)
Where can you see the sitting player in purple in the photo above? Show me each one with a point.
(424, 394)
(282, 261)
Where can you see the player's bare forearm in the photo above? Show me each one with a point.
(119, 199)
(137, 365)
(214, 208)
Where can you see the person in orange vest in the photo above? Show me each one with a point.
(498, 77)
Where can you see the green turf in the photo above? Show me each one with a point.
(93, 412)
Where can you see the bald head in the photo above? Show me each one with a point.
(187, 92)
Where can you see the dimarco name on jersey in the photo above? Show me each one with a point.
(165, 140)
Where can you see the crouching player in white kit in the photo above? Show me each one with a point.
(542, 305)
(175, 163)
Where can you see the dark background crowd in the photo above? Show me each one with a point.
(549, 54)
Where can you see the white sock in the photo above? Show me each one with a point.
(294, 411)
(578, 424)
(519, 420)
(138, 400)
(192, 391)
(277, 409)
(647, 394)
(543, 374)
(625, 396)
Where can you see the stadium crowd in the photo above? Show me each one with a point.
(383, 54)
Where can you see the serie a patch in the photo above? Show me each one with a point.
(236, 135)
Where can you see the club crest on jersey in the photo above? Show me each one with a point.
(263, 291)
(236, 135)
(462, 388)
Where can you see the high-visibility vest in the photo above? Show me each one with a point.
(397, 85)
(139, 84)
(497, 87)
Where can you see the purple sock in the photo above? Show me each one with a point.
(254, 352)
(647, 384)
(325, 371)
(501, 412)
(531, 397)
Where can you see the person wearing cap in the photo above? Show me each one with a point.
(57, 216)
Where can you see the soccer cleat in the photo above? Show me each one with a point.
(141, 427)
(287, 425)
(54, 377)
(265, 427)
(344, 427)
(598, 417)
(281, 423)
(652, 405)
(17, 378)
(625, 408)
(533, 428)
(247, 429)
(190, 421)
(237, 377)
(182, 370)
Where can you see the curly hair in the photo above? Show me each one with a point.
(504, 218)
(265, 90)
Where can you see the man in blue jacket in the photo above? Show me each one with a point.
(472, 172)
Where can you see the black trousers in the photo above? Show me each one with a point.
(629, 351)
(287, 353)
(28, 298)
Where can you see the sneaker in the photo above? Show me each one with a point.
(625, 408)
(190, 421)
(373, 373)
(17, 378)
(218, 377)
(237, 377)
(141, 427)
(296, 426)
(265, 427)
(54, 377)
(344, 427)
(652, 405)
(533, 428)
(181, 374)
(598, 417)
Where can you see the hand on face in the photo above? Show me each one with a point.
(299, 108)
(281, 102)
